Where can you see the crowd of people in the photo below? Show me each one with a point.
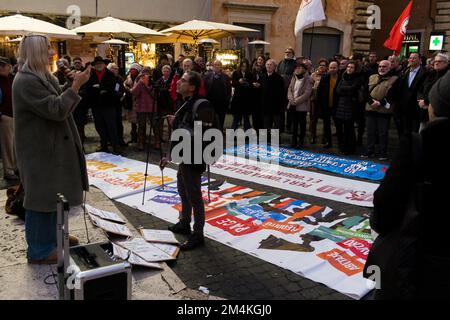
(359, 95)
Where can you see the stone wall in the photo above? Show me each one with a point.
(279, 17)
(361, 33)
(442, 20)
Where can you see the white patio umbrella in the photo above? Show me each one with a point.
(208, 40)
(118, 28)
(21, 25)
(196, 30)
(259, 42)
(115, 42)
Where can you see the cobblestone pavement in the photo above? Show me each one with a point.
(227, 272)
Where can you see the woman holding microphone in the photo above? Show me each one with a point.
(49, 151)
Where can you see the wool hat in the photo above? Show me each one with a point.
(136, 66)
(440, 96)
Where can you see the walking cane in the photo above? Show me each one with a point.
(147, 161)
(209, 184)
(161, 153)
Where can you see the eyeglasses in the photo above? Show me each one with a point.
(440, 61)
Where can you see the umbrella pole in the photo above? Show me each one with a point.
(311, 43)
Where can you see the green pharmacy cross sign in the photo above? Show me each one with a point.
(436, 42)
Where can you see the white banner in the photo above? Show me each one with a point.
(118, 176)
(355, 192)
(313, 241)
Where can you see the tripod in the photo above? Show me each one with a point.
(148, 155)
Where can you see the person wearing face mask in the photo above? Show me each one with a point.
(128, 101)
(208, 67)
(101, 95)
(299, 96)
(242, 80)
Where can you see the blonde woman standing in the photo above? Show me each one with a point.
(48, 147)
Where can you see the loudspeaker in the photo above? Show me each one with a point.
(96, 275)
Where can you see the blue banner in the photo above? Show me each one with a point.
(304, 159)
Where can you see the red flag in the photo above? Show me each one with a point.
(398, 32)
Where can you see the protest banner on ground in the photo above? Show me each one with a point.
(117, 176)
(305, 159)
(301, 181)
(313, 241)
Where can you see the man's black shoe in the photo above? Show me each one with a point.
(195, 240)
(180, 228)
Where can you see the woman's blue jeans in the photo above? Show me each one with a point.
(40, 233)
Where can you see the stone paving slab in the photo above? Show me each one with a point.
(20, 280)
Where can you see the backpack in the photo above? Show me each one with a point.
(216, 122)
(14, 202)
(186, 121)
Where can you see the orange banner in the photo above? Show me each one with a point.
(342, 261)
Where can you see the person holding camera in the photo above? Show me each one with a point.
(145, 106)
(49, 152)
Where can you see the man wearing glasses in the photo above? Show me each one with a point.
(440, 68)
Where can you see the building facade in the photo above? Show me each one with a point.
(344, 31)
(276, 20)
(428, 18)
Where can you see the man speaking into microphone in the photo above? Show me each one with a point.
(192, 111)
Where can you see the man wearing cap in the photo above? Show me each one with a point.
(6, 121)
(77, 64)
(101, 94)
(420, 185)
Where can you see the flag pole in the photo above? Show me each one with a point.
(311, 43)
